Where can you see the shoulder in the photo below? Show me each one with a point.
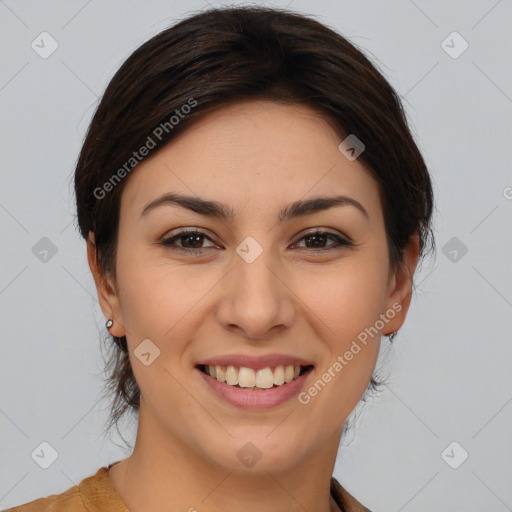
(71, 500)
(345, 501)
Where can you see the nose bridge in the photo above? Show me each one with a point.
(255, 298)
(252, 273)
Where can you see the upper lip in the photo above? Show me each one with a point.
(255, 362)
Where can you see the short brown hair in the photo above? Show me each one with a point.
(225, 55)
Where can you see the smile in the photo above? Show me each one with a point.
(254, 379)
(245, 386)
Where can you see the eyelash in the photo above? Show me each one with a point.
(168, 242)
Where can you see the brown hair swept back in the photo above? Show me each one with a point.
(224, 55)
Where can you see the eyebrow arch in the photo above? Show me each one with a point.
(222, 211)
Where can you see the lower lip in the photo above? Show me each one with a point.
(255, 399)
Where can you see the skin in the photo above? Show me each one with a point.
(256, 157)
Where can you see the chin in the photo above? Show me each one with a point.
(258, 449)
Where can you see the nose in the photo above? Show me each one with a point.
(256, 300)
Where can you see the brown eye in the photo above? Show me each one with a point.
(316, 240)
(191, 241)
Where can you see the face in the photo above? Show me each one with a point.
(313, 289)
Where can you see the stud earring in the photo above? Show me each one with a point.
(109, 323)
(392, 336)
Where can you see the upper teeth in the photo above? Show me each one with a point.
(248, 378)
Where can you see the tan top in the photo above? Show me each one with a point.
(97, 494)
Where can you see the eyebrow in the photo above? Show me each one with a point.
(221, 211)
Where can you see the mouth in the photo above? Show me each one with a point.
(262, 379)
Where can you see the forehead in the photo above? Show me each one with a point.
(251, 155)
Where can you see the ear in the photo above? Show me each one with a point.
(105, 286)
(400, 286)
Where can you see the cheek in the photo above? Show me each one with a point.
(347, 301)
(347, 297)
(160, 302)
(161, 298)
(346, 304)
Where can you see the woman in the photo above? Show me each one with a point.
(254, 207)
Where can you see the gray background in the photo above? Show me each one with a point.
(449, 370)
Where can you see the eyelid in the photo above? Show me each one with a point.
(340, 239)
(180, 232)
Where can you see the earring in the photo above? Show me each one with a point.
(392, 335)
(109, 323)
